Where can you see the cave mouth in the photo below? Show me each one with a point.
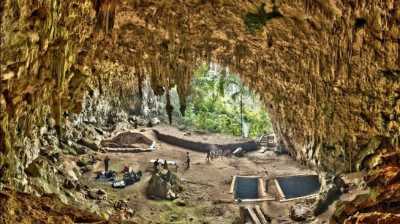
(218, 102)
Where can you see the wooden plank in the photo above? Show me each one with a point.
(261, 215)
(261, 188)
(249, 176)
(298, 198)
(253, 216)
(279, 189)
(255, 200)
(232, 185)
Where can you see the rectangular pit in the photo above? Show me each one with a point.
(246, 188)
(296, 187)
(249, 189)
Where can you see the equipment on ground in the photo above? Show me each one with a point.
(129, 178)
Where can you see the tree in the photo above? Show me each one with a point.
(219, 102)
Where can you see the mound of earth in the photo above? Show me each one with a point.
(128, 140)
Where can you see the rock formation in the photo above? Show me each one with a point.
(164, 185)
(328, 71)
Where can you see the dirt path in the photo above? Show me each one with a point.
(206, 185)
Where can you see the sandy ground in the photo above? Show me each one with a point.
(206, 185)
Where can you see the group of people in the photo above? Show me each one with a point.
(157, 163)
(214, 153)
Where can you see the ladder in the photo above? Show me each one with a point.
(256, 215)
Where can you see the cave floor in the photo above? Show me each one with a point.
(206, 185)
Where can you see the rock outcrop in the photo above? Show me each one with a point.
(164, 185)
(328, 71)
(26, 208)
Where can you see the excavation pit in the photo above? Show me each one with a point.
(248, 189)
(297, 187)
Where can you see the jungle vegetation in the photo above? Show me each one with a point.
(220, 103)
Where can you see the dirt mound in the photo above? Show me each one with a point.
(26, 208)
(128, 140)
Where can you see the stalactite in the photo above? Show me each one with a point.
(169, 108)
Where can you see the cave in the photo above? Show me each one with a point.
(326, 71)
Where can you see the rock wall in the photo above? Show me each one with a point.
(43, 72)
(48, 72)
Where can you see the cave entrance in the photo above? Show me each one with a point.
(219, 102)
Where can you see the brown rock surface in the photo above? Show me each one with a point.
(25, 208)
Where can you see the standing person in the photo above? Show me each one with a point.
(165, 165)
(155, 165)
(187, 160)
(213, 152)
(135, 123)
(208, 156)
(106, 163)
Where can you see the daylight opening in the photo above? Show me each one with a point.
(219, 102)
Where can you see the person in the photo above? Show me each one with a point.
(208, 156)
(155, 165)
(165, 165)
(213, 151)
(126, 169)
(187, 160)
(150, 124)
(135, 123)
(106, 163)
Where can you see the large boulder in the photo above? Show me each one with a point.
(89, 143)
(164, 185)
(331, 188)
(97, 194)
(43, 177)
(299, 213)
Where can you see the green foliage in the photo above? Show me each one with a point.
(215, 105)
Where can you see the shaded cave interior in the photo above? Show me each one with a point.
(327, 71)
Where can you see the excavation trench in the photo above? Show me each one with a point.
(248, 146)
(295, 187)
